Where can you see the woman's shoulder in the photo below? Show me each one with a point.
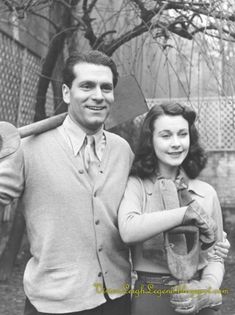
(135, 181)
(201, 187)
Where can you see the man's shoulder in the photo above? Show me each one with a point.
(40, 139)
(116, 139)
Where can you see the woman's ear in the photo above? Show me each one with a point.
(66, 93)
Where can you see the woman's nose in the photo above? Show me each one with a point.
(175, 141)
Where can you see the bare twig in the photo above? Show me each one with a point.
(46, 19)
(8, 5)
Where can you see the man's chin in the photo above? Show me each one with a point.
(98, 123)
(96, 126)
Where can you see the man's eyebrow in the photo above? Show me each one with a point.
(88, 81)
(95, 82)
(107, 83)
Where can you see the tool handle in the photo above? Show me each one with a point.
(42, 126)
(184, 229)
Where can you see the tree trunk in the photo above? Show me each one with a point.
(63, 15)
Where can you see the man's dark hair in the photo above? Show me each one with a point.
(145, 162)
(93, 57)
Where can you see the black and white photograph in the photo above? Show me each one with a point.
(117, 157)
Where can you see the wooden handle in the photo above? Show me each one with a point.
(42, 126)
(184, 229)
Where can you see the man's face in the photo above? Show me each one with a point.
(90, 96)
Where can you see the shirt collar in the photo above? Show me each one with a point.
(193, 184)
(76, 135)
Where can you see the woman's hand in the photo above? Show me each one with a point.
(222, 248)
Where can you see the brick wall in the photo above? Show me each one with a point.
(220, 173)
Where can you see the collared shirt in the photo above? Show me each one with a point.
(75, 137)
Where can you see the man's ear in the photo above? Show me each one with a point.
(66, 93)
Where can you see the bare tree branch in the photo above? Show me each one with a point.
(143, 10)
(46, 19)
(89, 33)
(8, 5)
(91, 6)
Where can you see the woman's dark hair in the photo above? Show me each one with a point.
(145, 161)
(94, 57)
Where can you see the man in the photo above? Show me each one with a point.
(70, 186)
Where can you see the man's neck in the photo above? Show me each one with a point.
(89, 132)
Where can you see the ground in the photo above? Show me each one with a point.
(12, 295)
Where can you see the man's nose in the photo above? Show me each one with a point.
(97, 94)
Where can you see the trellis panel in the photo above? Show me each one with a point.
(19, 74)
(10, 78)
(215, 120)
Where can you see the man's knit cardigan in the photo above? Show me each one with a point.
(71, 223)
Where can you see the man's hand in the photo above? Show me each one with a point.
(191, 297)
(221, 249)
(196, 215)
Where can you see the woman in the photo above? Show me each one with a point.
(163, 177)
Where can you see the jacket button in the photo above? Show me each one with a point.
(100, 249)
(99, 274)
(97, 222)
(80, 171)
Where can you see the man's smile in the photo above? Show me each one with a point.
(96, 108)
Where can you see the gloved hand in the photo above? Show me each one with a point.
(196, 215)
(195, 295)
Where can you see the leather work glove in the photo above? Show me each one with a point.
(195, 295)
(196, 215)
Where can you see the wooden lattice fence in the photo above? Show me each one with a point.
(19, 73)
(215, 122)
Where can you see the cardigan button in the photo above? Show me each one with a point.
(97, 222)
(80, 171)
(99, 274)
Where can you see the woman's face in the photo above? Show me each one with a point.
(171, 143)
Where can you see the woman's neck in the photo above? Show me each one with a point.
(168, 172)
